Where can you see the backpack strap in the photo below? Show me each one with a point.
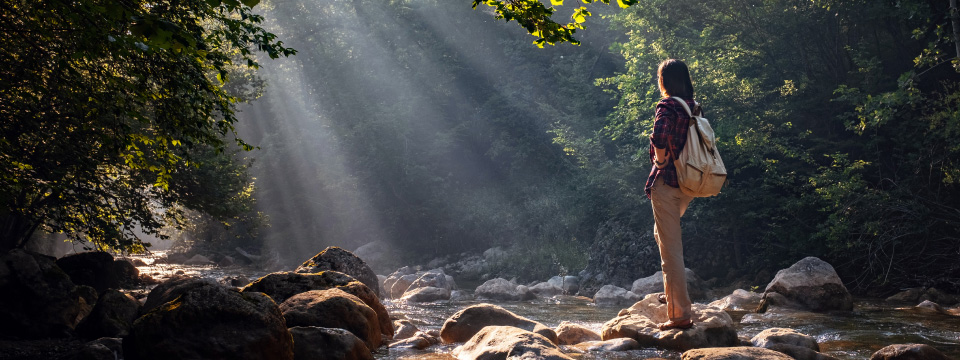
(684, 104)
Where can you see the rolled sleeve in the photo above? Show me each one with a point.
(663, 126)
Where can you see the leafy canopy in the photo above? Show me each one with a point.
(102, 101)
(537, 18)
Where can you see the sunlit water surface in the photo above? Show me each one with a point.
(845, 335)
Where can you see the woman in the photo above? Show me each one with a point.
(669, 203)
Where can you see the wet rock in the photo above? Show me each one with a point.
(939, 297)
(931, 306)
(613, 295)
(734, 353)
(392, 278)
(99, 270)
(908, 352)
(503, 290)
(570, 285)
(654, 284)
(546, 289)
(467, 322)
(401, 284)
(739, 300)
(405, 329)
(283, 285)
(418, 341)
(112, 316)
(198, 260)
(211, 321)
(460, 295)
(619, 344)
(173, 288)
(810, 283)
(37, 299)
(772, 336)
(333, 308)
(426, 294)
(911, 295)
(433, 278)
(137, 262)
(320, 343)
(235, 281)
(712, 327)
(569, 333)
(337, 259)
(503, 342)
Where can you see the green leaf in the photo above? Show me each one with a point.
(250, 3)
(556, 2)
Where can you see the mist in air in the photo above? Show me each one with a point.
(424, 125)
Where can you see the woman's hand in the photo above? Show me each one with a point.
(660, 159)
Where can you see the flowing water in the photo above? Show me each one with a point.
(846, 335)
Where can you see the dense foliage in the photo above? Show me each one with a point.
(108, 106)
(440, 131)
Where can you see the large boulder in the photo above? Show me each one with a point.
(908, 352)
(320, 343)
(283, 285)
(712, 327)
(654, 284)
(400, 284)
(337, 259)
(333, 308)
(811, 284)
(99, 270)
(734, 353)
(393, 277)
(503, 290)
(405, 329)
(37, 299)
(418, 341)
(433, 278)
(773, 336)
(211, 321)
(507, 342)
(569, 333)
(173, 288)
(546, 289)
(112, 316)
(614, 295)
(426, 294)
(467, 322)
(739, 300)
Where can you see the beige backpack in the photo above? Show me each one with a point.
(700, 170)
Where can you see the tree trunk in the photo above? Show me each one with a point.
(955, 19)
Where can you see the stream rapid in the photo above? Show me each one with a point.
(857, 334)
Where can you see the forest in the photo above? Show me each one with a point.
(442, 128)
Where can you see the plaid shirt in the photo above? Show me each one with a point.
(669, 132)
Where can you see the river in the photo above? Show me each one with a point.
(872, 324)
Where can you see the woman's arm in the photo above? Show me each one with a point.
(662, 130)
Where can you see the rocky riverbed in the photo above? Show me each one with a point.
(425, 314)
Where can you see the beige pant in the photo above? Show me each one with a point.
(669, 204)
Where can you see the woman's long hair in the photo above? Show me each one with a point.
(674, 79)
